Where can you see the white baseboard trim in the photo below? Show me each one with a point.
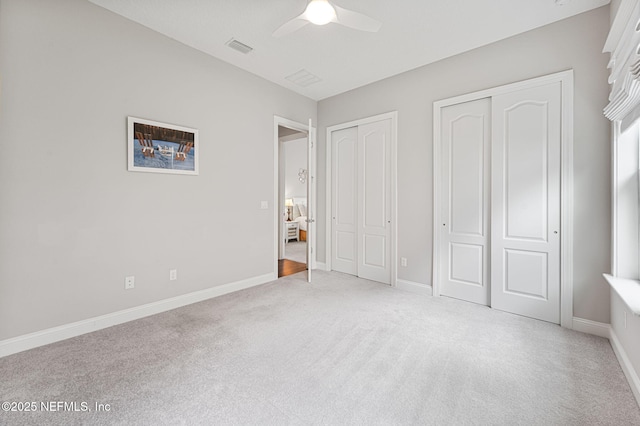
(591, 327)
(414, 287)
(321, 265)
(627, 368)
(55, 334)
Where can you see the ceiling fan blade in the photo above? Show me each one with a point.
(291, 26)
(356, 20)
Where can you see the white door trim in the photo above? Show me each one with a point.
(278, 211)
(393, 116)
(566, 181)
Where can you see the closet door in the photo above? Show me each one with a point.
(465, 172)
(525, 206)
(374, 204)
(345, 192)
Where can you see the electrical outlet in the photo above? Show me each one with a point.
(264, 205)
(403, 261)
(173, 274)
(129, 282)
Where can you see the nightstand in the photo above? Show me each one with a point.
(293, 231)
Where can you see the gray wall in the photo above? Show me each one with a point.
(295, 158)
(573, 43)
(73, 221)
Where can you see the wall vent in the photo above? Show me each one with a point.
(239, 46)
(303, 78)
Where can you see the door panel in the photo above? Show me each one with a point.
(525, 168)
(345, 194)
(374, 210)
(525, 240)
(464, 238)
(526, 273)
(374, 251)
(374, 171)
(467, 263)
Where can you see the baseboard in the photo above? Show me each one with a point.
(56, 334)
(591, 327)
(414, 287)
(629, 372)
(321, 265)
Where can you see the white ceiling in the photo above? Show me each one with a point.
(413, 33)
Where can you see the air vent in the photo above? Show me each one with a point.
(303, 78)
(239, 46)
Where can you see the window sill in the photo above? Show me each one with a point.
(628, 290)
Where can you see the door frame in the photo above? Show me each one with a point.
(278, 210)
(393, 116)
(565, 78)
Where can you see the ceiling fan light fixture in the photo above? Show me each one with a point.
(320, 12)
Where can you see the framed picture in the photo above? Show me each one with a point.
(162, 148)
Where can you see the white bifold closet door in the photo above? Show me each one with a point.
(361, 234)
(345, 206)
(465, 167)
(525, 202)
(500, 201)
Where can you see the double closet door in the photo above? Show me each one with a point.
(500, 201)
(361, 205)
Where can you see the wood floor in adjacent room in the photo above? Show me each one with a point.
(341, 350)
(290, 267)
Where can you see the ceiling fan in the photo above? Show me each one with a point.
(321, 12)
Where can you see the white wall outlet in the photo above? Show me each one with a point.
(264, 205)
(403, 261)
(173, 274)
(129, 282)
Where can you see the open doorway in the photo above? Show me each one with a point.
(292, 198)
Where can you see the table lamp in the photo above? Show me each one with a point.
(288, 203)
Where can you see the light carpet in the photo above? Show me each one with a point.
(341, 350)
(296, 250)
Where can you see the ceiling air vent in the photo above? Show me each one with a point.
(239, 46)
(303, 78)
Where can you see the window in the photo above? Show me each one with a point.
(626, 199)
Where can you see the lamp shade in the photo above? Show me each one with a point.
(288, 202)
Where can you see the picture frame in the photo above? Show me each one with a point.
(156, 147)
